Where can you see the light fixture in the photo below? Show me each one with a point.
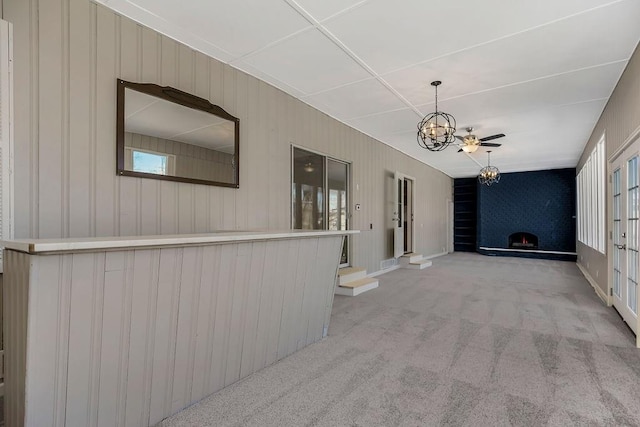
(435, 131)
(471, 142)
(308, 167)
(489, 174)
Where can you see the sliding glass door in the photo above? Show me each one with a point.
(319, 194)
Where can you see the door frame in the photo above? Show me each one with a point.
(396, 176)
(630, 148)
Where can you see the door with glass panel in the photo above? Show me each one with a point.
(625, 215)
(319, 194)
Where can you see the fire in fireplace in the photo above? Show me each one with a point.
(522, 240)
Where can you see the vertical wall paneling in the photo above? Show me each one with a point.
(254, 286)
(204, 323)
(46, 306)
(80, 339)
(141, 333)
(266, 299)
(112, 329)
(306, 286)
(242, 264)
(187, 310)
(129, 337)
(51, 104)
(96, 338)
(80, 143)
(66, 67)
(15, 307)
(222, 314)
(288, 299)
(164, 334)
(281, 250)
(106, 197)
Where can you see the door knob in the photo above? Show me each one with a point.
(623, 246)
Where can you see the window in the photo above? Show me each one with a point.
(150, 161)
(590, 184)
(319, 194)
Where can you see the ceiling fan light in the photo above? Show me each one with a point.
(469, 148)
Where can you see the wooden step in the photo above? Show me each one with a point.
(350, 274)
(419, 265)
(409, 258)
(356, 287)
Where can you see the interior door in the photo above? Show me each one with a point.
(398, 216)
(625, 211)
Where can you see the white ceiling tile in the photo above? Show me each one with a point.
(543, 51)
(420, 30)
(168, 28)
(309, 61)
(571, 88)
(322, 9)
(247, 68)
(238, 27)
(359, 99)
(387, 123)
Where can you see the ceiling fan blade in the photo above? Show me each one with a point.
(489, 138)
(490, 144)
(459, 137)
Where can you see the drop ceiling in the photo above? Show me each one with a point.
(540, 72)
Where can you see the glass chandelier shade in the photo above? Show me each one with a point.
(435, 130)
(471, 144)
(489, 174)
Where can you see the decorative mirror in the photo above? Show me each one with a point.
(165, 133)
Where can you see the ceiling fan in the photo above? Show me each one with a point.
(471, 142)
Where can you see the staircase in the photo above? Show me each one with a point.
(354, 281)
(414, 261)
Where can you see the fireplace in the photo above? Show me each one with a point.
(523, 240)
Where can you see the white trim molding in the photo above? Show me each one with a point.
(602, 294)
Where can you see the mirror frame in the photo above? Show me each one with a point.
(178, 97)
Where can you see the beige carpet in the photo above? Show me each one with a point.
(473, 340)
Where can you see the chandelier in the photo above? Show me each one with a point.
(489, 174)
(435, 131)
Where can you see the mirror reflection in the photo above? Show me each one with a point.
(169, 134)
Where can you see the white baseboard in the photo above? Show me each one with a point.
(386, 270)
(602, 294)
(435, 255)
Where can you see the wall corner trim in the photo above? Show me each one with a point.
(603, 296)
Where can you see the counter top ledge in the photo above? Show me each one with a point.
(39, 246)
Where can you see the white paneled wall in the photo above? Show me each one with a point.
(131, 337)
(68, 55)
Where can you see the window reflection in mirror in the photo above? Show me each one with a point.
(168, 134)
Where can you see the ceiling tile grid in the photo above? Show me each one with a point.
(519, 68)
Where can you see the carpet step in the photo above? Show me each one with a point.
(357, 287)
